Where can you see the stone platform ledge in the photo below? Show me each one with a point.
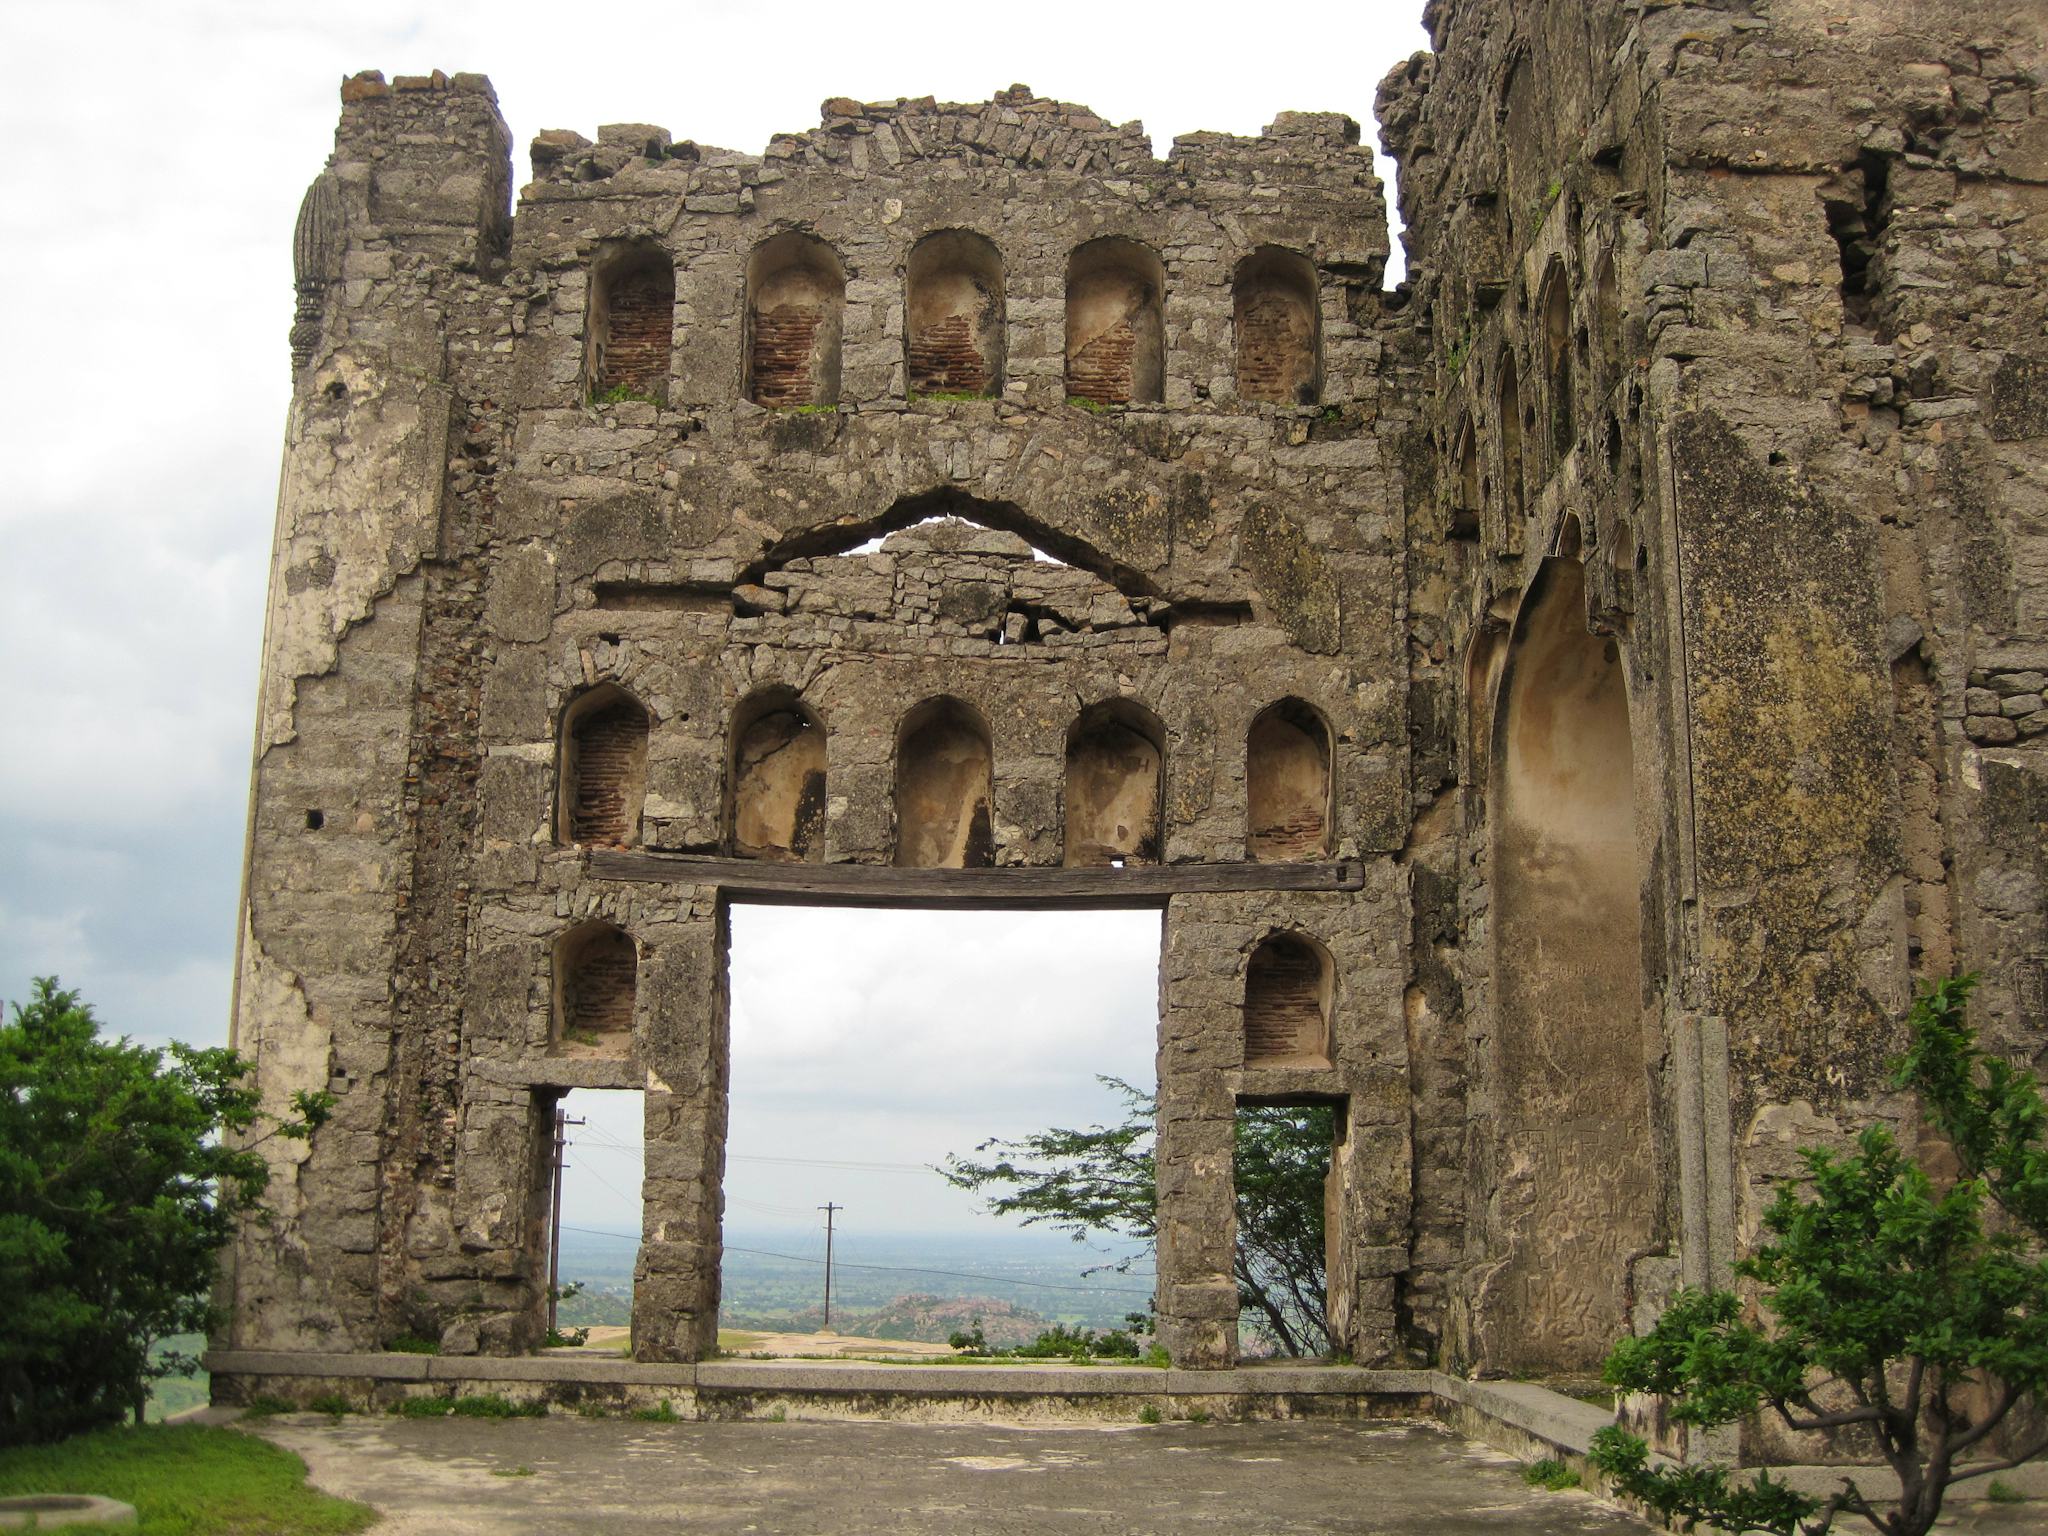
(834, 1376)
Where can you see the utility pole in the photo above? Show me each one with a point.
(828, 1208)
(562, 1124)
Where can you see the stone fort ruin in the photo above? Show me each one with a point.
(1561, 703)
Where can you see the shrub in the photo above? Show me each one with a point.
(123, 1169)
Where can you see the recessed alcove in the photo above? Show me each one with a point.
(777, 779)
(601, 773)
(1287, 783)
(944, 798)
(1557, 355)
(953, 332)
(1116, 346)
(796, 299)
(1287, 985)
(596, 984)
(1278, 328)
(631, 325)
(1113, 786)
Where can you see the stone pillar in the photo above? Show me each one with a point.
(1199, 1006)
(686, 1050)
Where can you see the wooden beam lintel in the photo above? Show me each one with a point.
(886, 886)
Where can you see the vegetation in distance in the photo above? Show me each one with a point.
(1102, 1180)
(1907, 1313)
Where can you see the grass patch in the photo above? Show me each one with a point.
(186, 1480)
(1150, 1414)
(665, 1414)
(1550, 1473)
(489, 1405)
(1092, 407)
(413, 1344)
(943, 395)
(333, 1404)
(423, 1407)
(2002, 1492)
(732, 1339)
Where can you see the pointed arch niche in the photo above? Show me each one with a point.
(596, 983)
(1114, 755)
(796, 299)
(601, 768)
(1287, 783)
(1116, 335)
(1572, 1081)
(1287, 996)
(1557, 358)
(776, 803)
(630, 329)
(1278, 327)
(953, 332)
(944, 801)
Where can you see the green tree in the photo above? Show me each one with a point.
(1897, 1310)
(117, 1189)
(1102, 1181)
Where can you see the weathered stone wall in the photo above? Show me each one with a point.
(1733, 306)
(1658, 573)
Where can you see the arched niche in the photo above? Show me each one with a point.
(596, 983)
(1607, 315)
(1287, 992)
(1278, 324)
(631, 325)
(796, 300)
(1513, 494)
(1116, 335)
(601, 768)
(1287, 783)
(776, 806)
(953, 331)
(944, 789)
(1465, 482)
(1572, 1090)
(1557, 359)
(1114, 759)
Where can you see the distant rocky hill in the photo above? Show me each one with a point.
(933, 1318)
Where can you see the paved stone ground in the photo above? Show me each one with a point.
(612, 1477)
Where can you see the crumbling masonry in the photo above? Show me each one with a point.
(1561, 703)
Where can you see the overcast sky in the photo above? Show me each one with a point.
(156, 156)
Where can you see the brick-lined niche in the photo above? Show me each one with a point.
(1116, 338)
(1113, 785)
(1556, 308)
(1287, 783)
(596, 978)
(944, 769)
(631, 325)
(601, 778)
(777, 797)
(796, 297)
(953, 334)
(1287, 1003)
(1278, 327)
